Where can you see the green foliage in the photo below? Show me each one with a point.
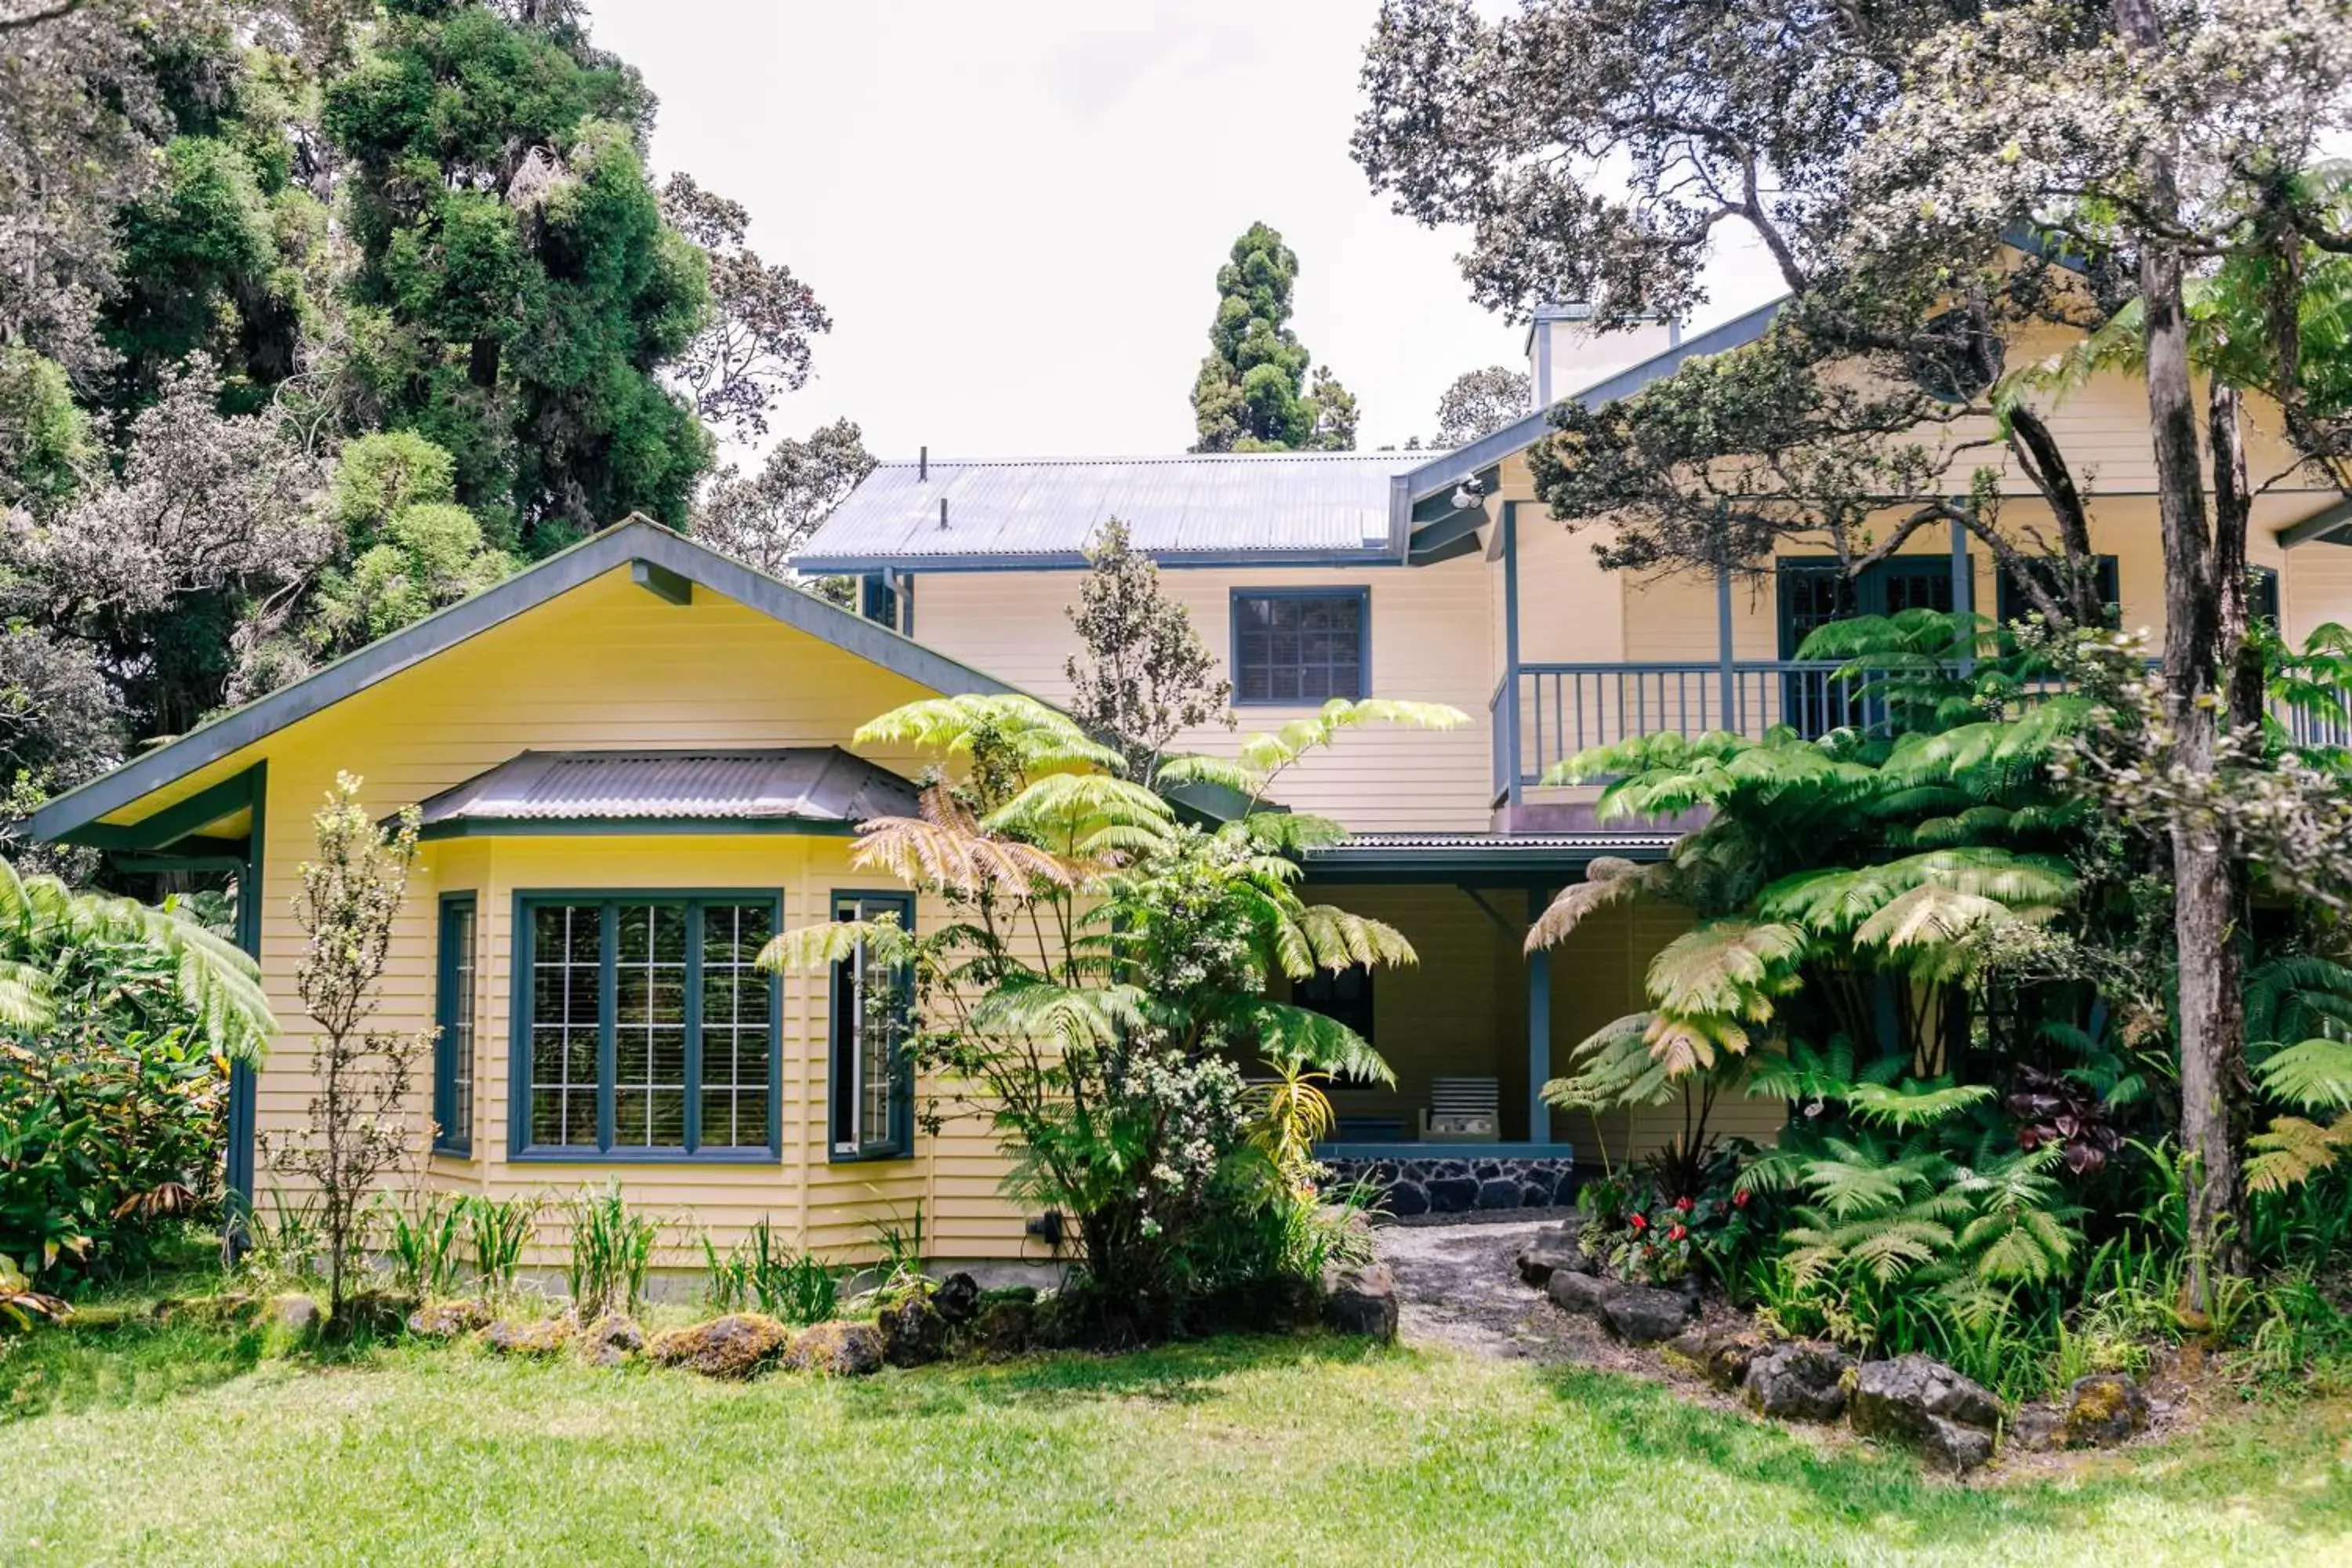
(515, 304)
(1102, 972)
(611, 1254)
(763, 1274)
(497, 1232)
(421, 1240)
(1251, 394)
(45, 439)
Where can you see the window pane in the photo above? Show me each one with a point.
(868, 1021)
(649, 1028)
(1293, 648)
(454, 1049)
(735, 1028)
(565, 946)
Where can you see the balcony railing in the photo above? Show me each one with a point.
(1555, 710)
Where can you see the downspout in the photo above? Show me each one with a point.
(1509, 714)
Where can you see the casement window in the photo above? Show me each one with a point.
(1303, 647)
(1814, 591)
(1344, 995)
(644, 1028)
(2015, 604)
(453, 1018)
(873, 1081)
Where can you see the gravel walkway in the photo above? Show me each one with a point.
(1458, 1286)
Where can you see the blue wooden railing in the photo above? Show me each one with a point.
(1551, 712)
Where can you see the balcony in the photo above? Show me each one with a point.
(1551, 712)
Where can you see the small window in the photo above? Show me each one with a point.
(453, 1041)
(1344, 995)
(1301, 647)
(2015, 606)
(2263, 600)
(650, 1031)
(873, 1078)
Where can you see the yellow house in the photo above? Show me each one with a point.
(633, 764)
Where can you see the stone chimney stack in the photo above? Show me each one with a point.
(1565, 356)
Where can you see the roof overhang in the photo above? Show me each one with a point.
(787, 789)
(1476, 859)
(675, 563)
(2331, 524)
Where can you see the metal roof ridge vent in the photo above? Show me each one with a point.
(923, 464)
(943, 514)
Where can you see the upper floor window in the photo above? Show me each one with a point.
(1301, 646)
(648, 1032)
(2016, 604)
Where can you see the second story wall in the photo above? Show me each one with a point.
(1432, 640)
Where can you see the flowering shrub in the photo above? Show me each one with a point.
(1641, 1231)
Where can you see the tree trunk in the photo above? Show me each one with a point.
(2212, 1022)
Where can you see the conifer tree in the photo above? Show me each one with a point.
(1252, 393)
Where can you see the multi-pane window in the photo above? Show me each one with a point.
(1301, 648)
(873, 1081)
(1344, 995)
(649, 1030)
(453, 1016)
(2015, 604)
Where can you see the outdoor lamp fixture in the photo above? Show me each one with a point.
(1047, 1228)
(1468, 493)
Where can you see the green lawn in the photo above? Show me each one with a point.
(177, 1447)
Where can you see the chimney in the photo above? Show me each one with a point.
(922, 465)
(1565, 356)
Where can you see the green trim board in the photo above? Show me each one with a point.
(843, 1145)
(62, 819)
(177, 822)
(521, 950)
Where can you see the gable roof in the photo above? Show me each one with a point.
(1195, 508)
(808, 787)
(1256, 509)
(668, 562)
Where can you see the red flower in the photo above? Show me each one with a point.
(1639, 1222)
(1677, 1234)
(1684, 1204)
(1739, 1199)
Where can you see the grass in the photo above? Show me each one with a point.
(139, 1444)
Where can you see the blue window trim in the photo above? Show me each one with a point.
(1361, 593)
(520, 1148)
(1869, 590)
(453, 1135)
(901, 1143)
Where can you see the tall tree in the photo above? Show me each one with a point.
(1144, 676)
(1886, 158)
(756, 346)
(1252, 393)
(517, 292)
(1481, 402)
(762, 518)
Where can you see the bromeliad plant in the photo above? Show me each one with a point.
(1103, 970)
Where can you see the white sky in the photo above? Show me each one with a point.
(1014, 210)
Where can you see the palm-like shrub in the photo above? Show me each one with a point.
(1102, 974)
(117, 1022)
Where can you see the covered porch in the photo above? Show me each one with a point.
(1471, 1029)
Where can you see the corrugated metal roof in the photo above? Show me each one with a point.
(1498, 843)
(1048, 510)
(798, 783)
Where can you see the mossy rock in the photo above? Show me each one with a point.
(2103, 1409)
(612, 1341)
(841, 1350)
(1003, 1328)
(237, 1312)
(449, 1320)
(738, 1345)
(544, 1337)
(380, 1314)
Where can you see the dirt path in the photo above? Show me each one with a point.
(1457, 1286)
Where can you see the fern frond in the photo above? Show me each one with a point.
(2315, 1074)
(1301, 1037)
(1609, 881)
(2293, 1151)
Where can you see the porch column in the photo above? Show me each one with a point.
(1728, 677)
(1963, 590)
(1538, 1026)
(1507, 714)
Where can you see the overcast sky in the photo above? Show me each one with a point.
(1014, 211)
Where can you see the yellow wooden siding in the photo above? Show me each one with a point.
(604, 667)
(1431, 642)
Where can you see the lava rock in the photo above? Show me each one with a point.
(295, 1314)
(448, 1319)
(1800, 1382)
(2037, 1427)
(1580, 1292)
(839, 1349)
(1917, 1400)
(612, 1341)
(1453, 1194)
(1002, 1328)
(1361, 1301)
(377, 1312)
(1538, 1263)
(735, 1346)
(1405, 1199)
(958, 1299)
(213, 1311)
(1499, 1192)
(1722, 1359)
(1644, 1314)
(544, 1337)
(915, 1332)
(2101, 1410)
